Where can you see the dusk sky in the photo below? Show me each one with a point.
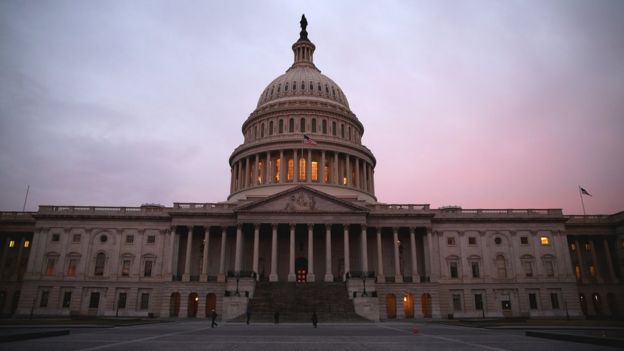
(479, 104)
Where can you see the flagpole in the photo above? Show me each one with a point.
(26, 198)
(582, 203)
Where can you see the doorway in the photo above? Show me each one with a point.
(391, 306)
(193, 302)
(408, 306)
(425, 302)
(174, 304)
(301, 269)
(211, 303)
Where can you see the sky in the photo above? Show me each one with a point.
(475, 103)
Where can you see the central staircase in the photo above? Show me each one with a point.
(295, 302)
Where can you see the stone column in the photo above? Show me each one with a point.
(609, 261)
(291, 257)
(430, 259)
(256, 249)
(372, 180)
(232, 179)
(398, 277)
(204, 272)
(247, 181)
(415, 276)
(282, 174)
(380, 273)
(221, 276)
(348, 166)
(347, 263)
(322, 180)
(172, 252)
(295, 166)
(267, 169)
(336, 176)
(273, 275)
(581, 262)
(256, 172)
(187, 261)
(309, 167)
(329, 277)
(310, 277)
(239, 249)
(357, 173)
(595, 260)
(364, 251)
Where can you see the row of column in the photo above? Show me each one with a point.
(342, 169)
(273, 276)
(585, 273)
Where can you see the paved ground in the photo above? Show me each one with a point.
(197, 335)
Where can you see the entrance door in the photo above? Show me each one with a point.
(193, 301)
(301, 269)
(211, 303)
(174, 304)
(408, 306)
(391, 306)
(425, 302)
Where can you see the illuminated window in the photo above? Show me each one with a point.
(314, 171)
(587, 247)
(12, 243)
(577, 272)
(592, 271)
(302, 169)
(71, 267)
(26, 243)
(344, 180)
(260, 172)
(277, 170)
(544, 240)
(291, 170)
(572, 247)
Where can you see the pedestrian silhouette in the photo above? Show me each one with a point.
(213, 316)
(314, 319)
(248, 313)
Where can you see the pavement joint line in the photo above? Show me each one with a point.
(140, 339)
(449, 339)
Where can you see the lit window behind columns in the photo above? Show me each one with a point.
(302, 169)
(291, 170)
(277, 170)
(260, 172)
(314, 171)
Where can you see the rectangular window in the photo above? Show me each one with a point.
(544, 240)
(71, 267)
(472, 240)
(56, 237)
(302, 169)
(587, 247)
(125, 268)
(572, 247)
(478, 298)
(453, 267)
(121, 302)
(50, 266)
(313, 125)
(66, 299)
(11, 243)
(144, 301)
(44, 298)
(554, 301)
(524, 240)
(147, 272)
(450, 241)
(129, 239)
(26, 244)
(475, 269)
(324, 126)
(151, 239)
(76, 238)
(577, 272)
(291, 170)
(592, 271)
(457, 305)
(533, 301)
(549, 267)
(94, 300)
(528, 268)
(314, 171)
(334, 128)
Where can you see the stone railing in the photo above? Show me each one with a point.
(589, 219)
(16, 215)
(149, 209)
(203, 206)
(401, 207)
(453, 211)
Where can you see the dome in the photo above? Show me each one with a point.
(303, 81)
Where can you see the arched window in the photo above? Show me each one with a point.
(334, 128)
(281, 126)
(100, 260)
(294, 86)
(302, 125)
(324, 126)
(271, 128)
(286, 87)
(255, 134)
(342, 132)
(291, 126)
(262, 130)
(313, 125)
(349, 136)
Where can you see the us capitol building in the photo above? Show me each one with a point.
(302, 230)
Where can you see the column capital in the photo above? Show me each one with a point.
(412, 230)
(395, 229)
(363, 226)
(274, 225)
(257, 226)
(310, 225)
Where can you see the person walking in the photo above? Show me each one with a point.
(213, 316)
(314, 319)
(248, 312)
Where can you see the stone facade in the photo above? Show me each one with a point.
(302, 208)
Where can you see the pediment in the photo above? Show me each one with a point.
(302, 199)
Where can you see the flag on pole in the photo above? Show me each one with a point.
(308, 140)
(584, 192)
